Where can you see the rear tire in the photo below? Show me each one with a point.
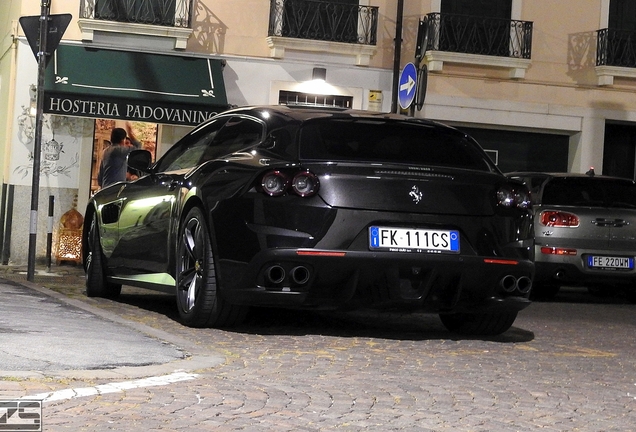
(198, 299)
(486, 324)
(96, 283)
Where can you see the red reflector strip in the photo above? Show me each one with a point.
(557, 251)
(320, 253)
(500, 261)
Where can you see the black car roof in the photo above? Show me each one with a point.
(303, 113)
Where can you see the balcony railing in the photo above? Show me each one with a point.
(478, 35)
(169, 13)
(324, 21)
(616, 48)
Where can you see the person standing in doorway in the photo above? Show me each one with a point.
(113, 167)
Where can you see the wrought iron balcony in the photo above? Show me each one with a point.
(324, 21)
(169, 13)
(478, 35)
(616, 48)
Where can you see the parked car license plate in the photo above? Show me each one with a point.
(416, 240)
(610, 262)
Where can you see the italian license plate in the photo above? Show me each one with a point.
(609, 262)
(413, 240)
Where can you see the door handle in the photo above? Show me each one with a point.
(169, 183)
(172, 185)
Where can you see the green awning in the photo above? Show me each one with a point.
(101, 83)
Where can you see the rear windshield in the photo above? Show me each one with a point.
(592, 192)
(389, 142)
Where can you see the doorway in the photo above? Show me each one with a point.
(523, 151)
(146, 133)
(619, 152)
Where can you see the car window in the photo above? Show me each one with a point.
(281, 140)
(532, 183)
(535, 184)
(592, 192)
(188, 152)
(390, 142)
(237, 134)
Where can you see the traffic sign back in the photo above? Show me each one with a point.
(56, 27)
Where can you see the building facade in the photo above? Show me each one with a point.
(542, 84)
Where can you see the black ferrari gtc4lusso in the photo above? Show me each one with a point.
(317, 208)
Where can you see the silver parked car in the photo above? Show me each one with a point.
(585, 231)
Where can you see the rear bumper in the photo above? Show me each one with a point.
(443, 283)
(571, 274)
(572, 269)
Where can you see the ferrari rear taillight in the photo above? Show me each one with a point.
(303, 183)
(554, 218)
(275, 183)
(514, 197)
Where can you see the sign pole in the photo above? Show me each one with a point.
(37, 145)
(396, 56)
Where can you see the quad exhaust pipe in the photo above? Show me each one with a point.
(300, 275)
(524, 284)
(510, 283)
(276, 275)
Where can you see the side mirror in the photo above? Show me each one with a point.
(140, 160)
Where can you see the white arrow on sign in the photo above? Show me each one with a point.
(408, 86)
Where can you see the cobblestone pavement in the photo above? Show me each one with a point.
(567, 365)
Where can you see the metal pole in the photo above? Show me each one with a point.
(37, 145)
(6, 248)
(49, 233)
(3, 209)
(397, 52)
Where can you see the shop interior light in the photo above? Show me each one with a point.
(33, 95)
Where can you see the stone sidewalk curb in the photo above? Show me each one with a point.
(196, 359)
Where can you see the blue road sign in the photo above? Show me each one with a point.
(407, 85)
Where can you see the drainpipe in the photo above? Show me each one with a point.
(10, 53)
(396, 56)
(8, 224)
